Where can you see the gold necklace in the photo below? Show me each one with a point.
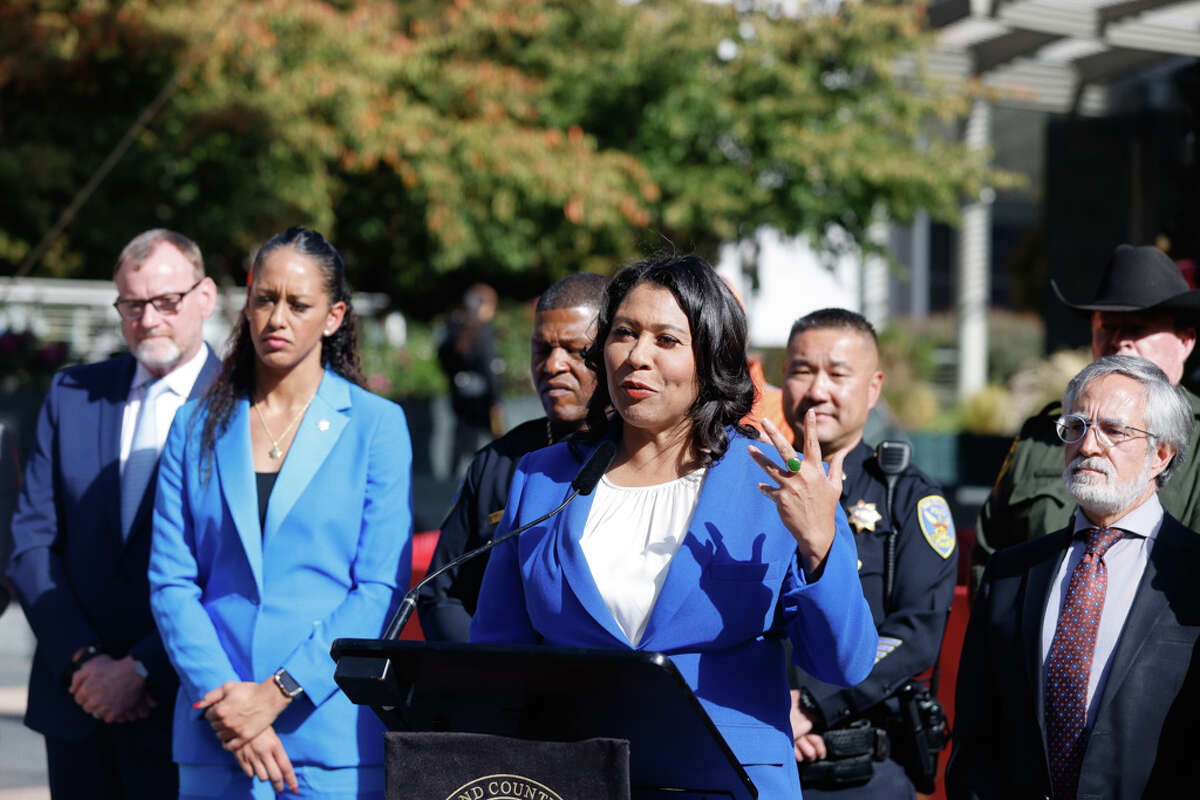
(275, 452)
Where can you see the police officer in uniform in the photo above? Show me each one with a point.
(563, 327)
(861, 741)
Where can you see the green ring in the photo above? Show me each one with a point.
(793, 464)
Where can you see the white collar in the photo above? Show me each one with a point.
(179, 380)
(1142, 520)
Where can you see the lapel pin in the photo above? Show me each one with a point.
(323, 425)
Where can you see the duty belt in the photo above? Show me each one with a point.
(850, 755)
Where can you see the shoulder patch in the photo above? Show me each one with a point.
(937, 525)
(495, 517)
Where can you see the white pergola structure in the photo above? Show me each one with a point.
(1058, 56)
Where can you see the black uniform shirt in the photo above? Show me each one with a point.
(447, 604)
(910, 636)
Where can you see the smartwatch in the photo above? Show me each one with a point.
(287, 684)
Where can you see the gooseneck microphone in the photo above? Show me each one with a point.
(583, 483)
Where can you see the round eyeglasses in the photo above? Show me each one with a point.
(1073, 427)
(163, 303)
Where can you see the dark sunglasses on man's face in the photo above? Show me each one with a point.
(163, 303)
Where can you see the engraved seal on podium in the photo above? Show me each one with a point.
(504, 787)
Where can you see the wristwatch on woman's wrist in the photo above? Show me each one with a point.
(287, 684)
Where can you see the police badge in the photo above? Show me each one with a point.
(863, 516)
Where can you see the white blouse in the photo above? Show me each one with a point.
(631, 535)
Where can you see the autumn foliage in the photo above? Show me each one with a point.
(511, 140)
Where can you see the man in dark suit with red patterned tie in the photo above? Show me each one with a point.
(1077, 677)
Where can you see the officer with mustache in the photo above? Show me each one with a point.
(563, 327)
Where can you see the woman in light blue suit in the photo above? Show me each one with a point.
(282, 521)
(682, 548)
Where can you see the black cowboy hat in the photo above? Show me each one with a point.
(1139, 279)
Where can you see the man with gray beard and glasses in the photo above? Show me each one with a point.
(1076, 677)
(1142, 307)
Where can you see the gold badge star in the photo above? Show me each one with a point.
(863, 516)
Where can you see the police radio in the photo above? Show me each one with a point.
(892, 457)
(923, 719)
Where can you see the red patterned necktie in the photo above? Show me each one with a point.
(1070, 663)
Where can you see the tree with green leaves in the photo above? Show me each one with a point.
(509, 140)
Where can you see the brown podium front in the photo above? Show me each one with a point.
(550, 695)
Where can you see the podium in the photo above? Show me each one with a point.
(550, 694)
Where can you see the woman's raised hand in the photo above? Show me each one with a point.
(807, 498)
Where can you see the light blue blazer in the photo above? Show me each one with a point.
(234, 602)
(732, 591)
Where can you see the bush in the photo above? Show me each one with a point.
(28, 363)
(916, 407)
(989, 411)
(1044, 382)
(919, 360)
(411, 371)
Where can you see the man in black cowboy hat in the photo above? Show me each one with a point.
(1143, 307)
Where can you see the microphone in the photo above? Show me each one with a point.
(583, 483)
(594, 468)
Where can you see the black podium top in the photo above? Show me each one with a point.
(553, 694)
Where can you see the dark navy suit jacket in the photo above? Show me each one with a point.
(1143, 739)
(732, 592)
(78, 579)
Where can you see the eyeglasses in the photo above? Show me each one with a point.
(1073, 427)
(163, 303)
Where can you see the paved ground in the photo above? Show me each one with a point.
(22, 756)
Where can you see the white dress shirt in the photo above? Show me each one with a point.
(179, 385)
(631, 536)
(1125, 562)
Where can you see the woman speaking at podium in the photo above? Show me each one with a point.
(695, 543)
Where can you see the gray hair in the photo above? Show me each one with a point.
(1168, 412)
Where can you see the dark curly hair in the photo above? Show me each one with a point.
(339, 350)
(718, 328)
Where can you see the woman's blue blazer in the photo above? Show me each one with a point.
(235, 602)
(733, 589)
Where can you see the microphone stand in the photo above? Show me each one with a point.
(585, 481)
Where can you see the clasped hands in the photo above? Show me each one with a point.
(807, 499)
(241, 714)
(111, 690)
